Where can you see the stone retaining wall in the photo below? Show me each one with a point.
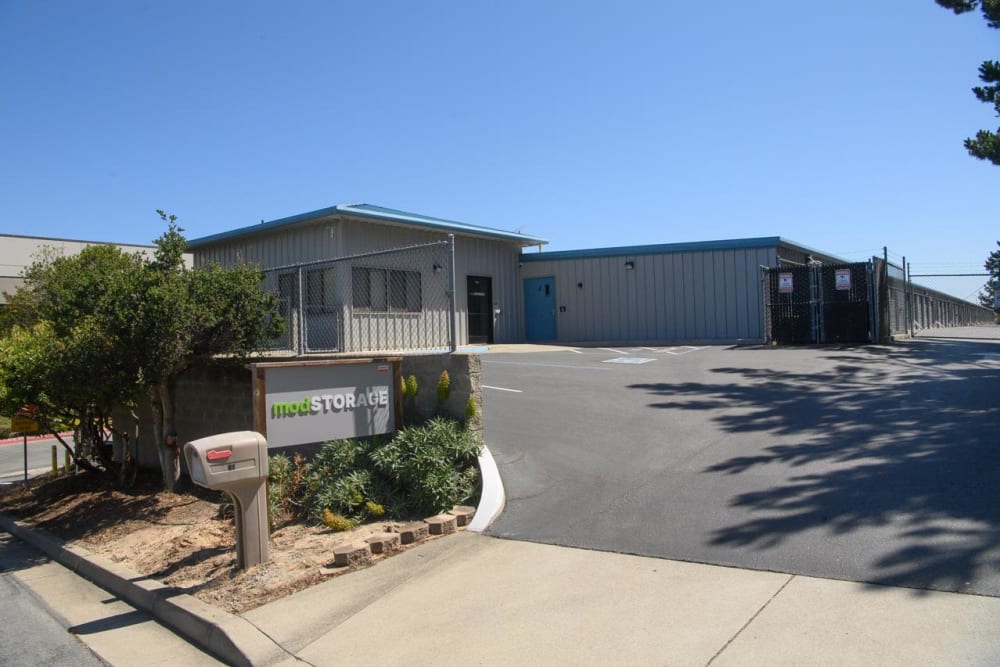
(216, 398)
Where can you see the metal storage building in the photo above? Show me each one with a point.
(359, 278)
(705, 292)
(344, 287)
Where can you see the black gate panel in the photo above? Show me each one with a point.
(845, 303)
(819, 304)
(790, 305)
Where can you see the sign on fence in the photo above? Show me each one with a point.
(842, 279)
(785, 283)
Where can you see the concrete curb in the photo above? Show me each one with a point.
(493, 498)
(230, 638)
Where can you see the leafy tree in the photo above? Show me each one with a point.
(992, 288)
(192, 314)
(986, 144)
(103, 328)
(64, 350)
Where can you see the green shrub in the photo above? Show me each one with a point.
(282, 488)
(471, 408)
(431, 467)
(422, 471)
(409, 395)
(4, 427)
(443, 388)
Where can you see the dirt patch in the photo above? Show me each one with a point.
(183, 540)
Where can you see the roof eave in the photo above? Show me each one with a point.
(351, 212)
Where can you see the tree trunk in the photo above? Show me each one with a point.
(165, 435)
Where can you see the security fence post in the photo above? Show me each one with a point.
(906, 298)
(452, 298)
(301, 315)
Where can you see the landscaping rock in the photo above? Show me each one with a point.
(442, 524)
(383, 542)
(463, 514)
(352, 554)
(413, 532)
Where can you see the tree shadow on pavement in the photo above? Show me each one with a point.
(901, 436)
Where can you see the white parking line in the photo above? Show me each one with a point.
(541, 365)
(575, 350)
(609, 349)
(682, 349)
(629, 360)
(516, 391)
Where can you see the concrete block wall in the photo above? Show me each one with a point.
(211, 398)
(216, 398)
(464, 371)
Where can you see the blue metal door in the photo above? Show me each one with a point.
(540, 308)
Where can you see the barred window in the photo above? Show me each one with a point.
(320, 290)
(386, 290)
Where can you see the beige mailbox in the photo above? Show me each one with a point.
(237, 462)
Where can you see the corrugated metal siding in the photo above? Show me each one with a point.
(700, 296)
(334, 238)
(303, 243)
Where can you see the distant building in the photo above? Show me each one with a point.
(18, 252)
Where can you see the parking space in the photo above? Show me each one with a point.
(871, 463)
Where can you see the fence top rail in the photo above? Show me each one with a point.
(353, 361)
(376, 253)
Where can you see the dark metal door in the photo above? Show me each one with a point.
(480, 295)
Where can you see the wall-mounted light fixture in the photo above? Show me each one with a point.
(437, 268)
(629, 266)
(580, 285)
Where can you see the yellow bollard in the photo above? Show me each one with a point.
(68, 463)
(55, 462)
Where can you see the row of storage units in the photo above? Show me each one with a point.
(717, 292)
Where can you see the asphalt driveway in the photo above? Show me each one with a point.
(873, 463)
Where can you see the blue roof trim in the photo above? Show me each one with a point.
(659, 249)
(374, 213)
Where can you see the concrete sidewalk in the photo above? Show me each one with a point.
(114, 631)
(471, 599)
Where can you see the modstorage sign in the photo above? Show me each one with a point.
(318, 402)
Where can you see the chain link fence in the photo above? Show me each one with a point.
(820, 303)
(386, 301)
(895, 280)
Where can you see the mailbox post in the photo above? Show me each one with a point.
(237, 462)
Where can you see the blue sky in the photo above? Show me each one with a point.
(837, 125)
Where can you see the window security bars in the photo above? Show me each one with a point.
(387, 301)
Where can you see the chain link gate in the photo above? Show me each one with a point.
(821, 303)
(386, 301)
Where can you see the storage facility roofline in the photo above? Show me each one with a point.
(657, 249)
(375, 213)
(663, 248)
(85, 241)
